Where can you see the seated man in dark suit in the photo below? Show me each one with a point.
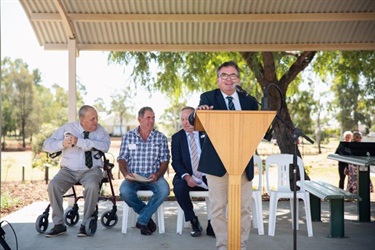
(186, 148)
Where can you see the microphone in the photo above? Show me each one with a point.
(265, 100)
(192, 118)
(268, 136)
(239, 89)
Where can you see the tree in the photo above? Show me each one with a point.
(8, 121)
(353, 84)
(197, 71)
(170, 119)
(20, 91)
(99, 105)
(301, 105)
(122, 106)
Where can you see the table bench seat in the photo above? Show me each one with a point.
(320, 190)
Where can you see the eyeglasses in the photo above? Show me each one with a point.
(224, 76)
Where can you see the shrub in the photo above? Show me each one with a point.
(7, 201)
(41, 158)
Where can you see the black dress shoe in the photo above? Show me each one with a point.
(210, 230)
(151, 225)
(82, 231)
(144, 229)
(196, 226)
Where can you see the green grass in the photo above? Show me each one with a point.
(7, 201)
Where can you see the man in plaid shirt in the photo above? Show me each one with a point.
(143, 160)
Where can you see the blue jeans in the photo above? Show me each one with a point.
(128, 192)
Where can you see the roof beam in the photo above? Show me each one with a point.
(308, 17)
(63, 15)
(213, 47)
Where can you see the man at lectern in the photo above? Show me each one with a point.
(226, 98)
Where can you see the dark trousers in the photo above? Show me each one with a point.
(342, 167)
(181, 191)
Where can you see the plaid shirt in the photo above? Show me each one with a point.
(144, 157)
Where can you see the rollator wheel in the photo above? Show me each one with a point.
(41, 223)
(91, 225)
(108, 220)
(71, 217)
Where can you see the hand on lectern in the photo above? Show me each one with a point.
(192, 115)
(202, 107)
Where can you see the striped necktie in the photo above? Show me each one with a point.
(230, 103)
(194, 156)
(88, 154)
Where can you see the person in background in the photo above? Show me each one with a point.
(352, 171)
(343, 167)
(186, 149)
(79, 142)
(225, 97)
(144, 152)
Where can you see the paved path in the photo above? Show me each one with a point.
(360, 235)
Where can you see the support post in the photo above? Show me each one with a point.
(46, 172)
(315, 207)
(234, 212)
(337, 218)
(23, 173)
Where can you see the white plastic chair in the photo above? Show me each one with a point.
(180, 213)
(257, 197)
(133, 216)
(283, 190)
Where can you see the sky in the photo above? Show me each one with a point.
(100, 78)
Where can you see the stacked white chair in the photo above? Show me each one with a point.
(133, 216)
(180, 213)
(257, 197)
(283, 190)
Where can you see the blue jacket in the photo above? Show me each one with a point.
(181, 161)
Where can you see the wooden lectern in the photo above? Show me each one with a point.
(235, 136)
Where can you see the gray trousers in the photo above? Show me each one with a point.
(64, 180)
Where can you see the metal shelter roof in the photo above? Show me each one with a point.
(203, 25)
(199, 25)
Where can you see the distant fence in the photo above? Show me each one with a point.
(16, 166)
(269, 148)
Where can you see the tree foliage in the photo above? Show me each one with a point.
(178, 74)
(170, 119)
(19, 88)
(27, 105)
(353, 83)
(181, 73)
(122, 106)
(41, 158)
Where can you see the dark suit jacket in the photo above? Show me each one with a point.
(210, 162)
(181, 161)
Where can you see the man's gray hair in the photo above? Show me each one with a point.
(188, 107)
(142, 111)
(82, 111)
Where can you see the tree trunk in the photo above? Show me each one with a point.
(23, 133)
(265, 73)
(266, 76)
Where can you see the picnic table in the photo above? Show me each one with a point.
(363, 163)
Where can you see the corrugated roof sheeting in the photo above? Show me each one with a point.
(196, 33)
(217, 6)
(201, 6)
(147, 31)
